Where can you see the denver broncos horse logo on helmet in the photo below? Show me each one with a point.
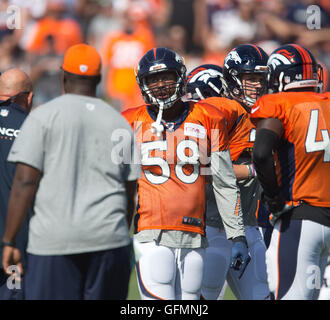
(292, 66)
(287, 54)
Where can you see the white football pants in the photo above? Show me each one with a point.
(325, 289)
(168, 273)
(252, 285)
(296, 259)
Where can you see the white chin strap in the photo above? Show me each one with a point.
(249, 101)
(157, 128)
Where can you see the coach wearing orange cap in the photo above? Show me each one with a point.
(79, 243)
(81, 70)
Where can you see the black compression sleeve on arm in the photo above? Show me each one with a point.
(266, 141)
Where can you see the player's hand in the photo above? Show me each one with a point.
(277, 207)
(273, 217)
(240, 257)
(11, 256)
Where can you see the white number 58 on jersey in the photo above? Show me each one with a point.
(183, 159)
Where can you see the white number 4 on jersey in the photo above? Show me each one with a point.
(311, 144)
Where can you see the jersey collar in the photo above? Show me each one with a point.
(9, 104)
(176, 123)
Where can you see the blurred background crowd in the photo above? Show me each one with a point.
(202, 31)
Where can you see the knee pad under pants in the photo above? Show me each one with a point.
(216, 265)
(169, 273)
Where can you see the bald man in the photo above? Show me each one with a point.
(16, 86)
(16, 95)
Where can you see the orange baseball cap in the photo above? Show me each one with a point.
(82, 59)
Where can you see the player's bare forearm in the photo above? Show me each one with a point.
(241, 171)
(25, 185)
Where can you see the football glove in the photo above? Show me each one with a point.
(277, 207)
(240, 256)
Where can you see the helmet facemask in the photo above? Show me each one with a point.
(246, 60)
(165, 95)
(320, 86)
(246, 91)
(152, 65)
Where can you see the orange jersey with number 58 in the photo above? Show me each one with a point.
(303, 156)
(171, 191)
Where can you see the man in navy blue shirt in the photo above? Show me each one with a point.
(16, 95)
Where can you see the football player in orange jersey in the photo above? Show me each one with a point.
(207, 81)
(292, 159)
(181, 143)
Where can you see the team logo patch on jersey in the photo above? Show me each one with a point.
(194, 130)
(169, 125)
(4, 112)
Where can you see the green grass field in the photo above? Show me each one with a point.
(133, 291)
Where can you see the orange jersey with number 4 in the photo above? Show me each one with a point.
(303, 156)
(241, 131)
(171, 191)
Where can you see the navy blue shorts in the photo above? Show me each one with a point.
(102, 275)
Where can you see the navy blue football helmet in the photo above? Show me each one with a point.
(159, 60)
(205, 81)
(245, 59)
(293, 66)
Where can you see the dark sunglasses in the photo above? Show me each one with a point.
(12, 98)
